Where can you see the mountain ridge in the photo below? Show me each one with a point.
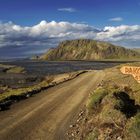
(86, 49)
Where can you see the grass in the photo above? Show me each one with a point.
(93, 135)
(16, 70)
(22, 91)
(96, 98)
(12, 69)
(107, 120)
(133, 127)
(114, 108)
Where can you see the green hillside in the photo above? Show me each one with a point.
(85, 49)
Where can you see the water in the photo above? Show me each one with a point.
(40, 68)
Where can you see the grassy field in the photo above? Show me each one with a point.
(11, 69)
(117, 114)
(113, 109)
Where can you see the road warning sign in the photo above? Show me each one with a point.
(132, 70)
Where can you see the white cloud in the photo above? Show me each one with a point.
(44, 32)
(122, 32)
(48, 34)
(67, 9)
(116, 19)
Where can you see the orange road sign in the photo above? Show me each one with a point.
(132, 70)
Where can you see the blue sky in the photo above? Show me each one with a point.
(93, 12)
(29, 27)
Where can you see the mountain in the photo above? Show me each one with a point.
(86, 49)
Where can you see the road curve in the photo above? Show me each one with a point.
(47, 115)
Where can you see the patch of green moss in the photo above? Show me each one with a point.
(12, 68)
(96, 98)
(22, 91)
(133, 127)
(16, 70)
(93, 135)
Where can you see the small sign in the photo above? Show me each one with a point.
(131, 70)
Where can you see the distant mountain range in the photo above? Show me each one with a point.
(86, 49)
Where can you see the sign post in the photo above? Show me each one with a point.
(132, 70)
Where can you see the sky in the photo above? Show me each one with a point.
(30, 27)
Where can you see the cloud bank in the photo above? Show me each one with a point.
(38, 38)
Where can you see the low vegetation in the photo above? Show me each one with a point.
(113, 115)
(113, 109)
(96, 98)
(22, 91)
(16, 70)
(11, 69)
(10, 96)
(133, 127)
(119, 116)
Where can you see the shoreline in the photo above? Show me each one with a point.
(5, 103)
(41, 60)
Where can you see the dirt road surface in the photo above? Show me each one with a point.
(47, 115)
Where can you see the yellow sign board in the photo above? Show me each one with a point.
(134, 71)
